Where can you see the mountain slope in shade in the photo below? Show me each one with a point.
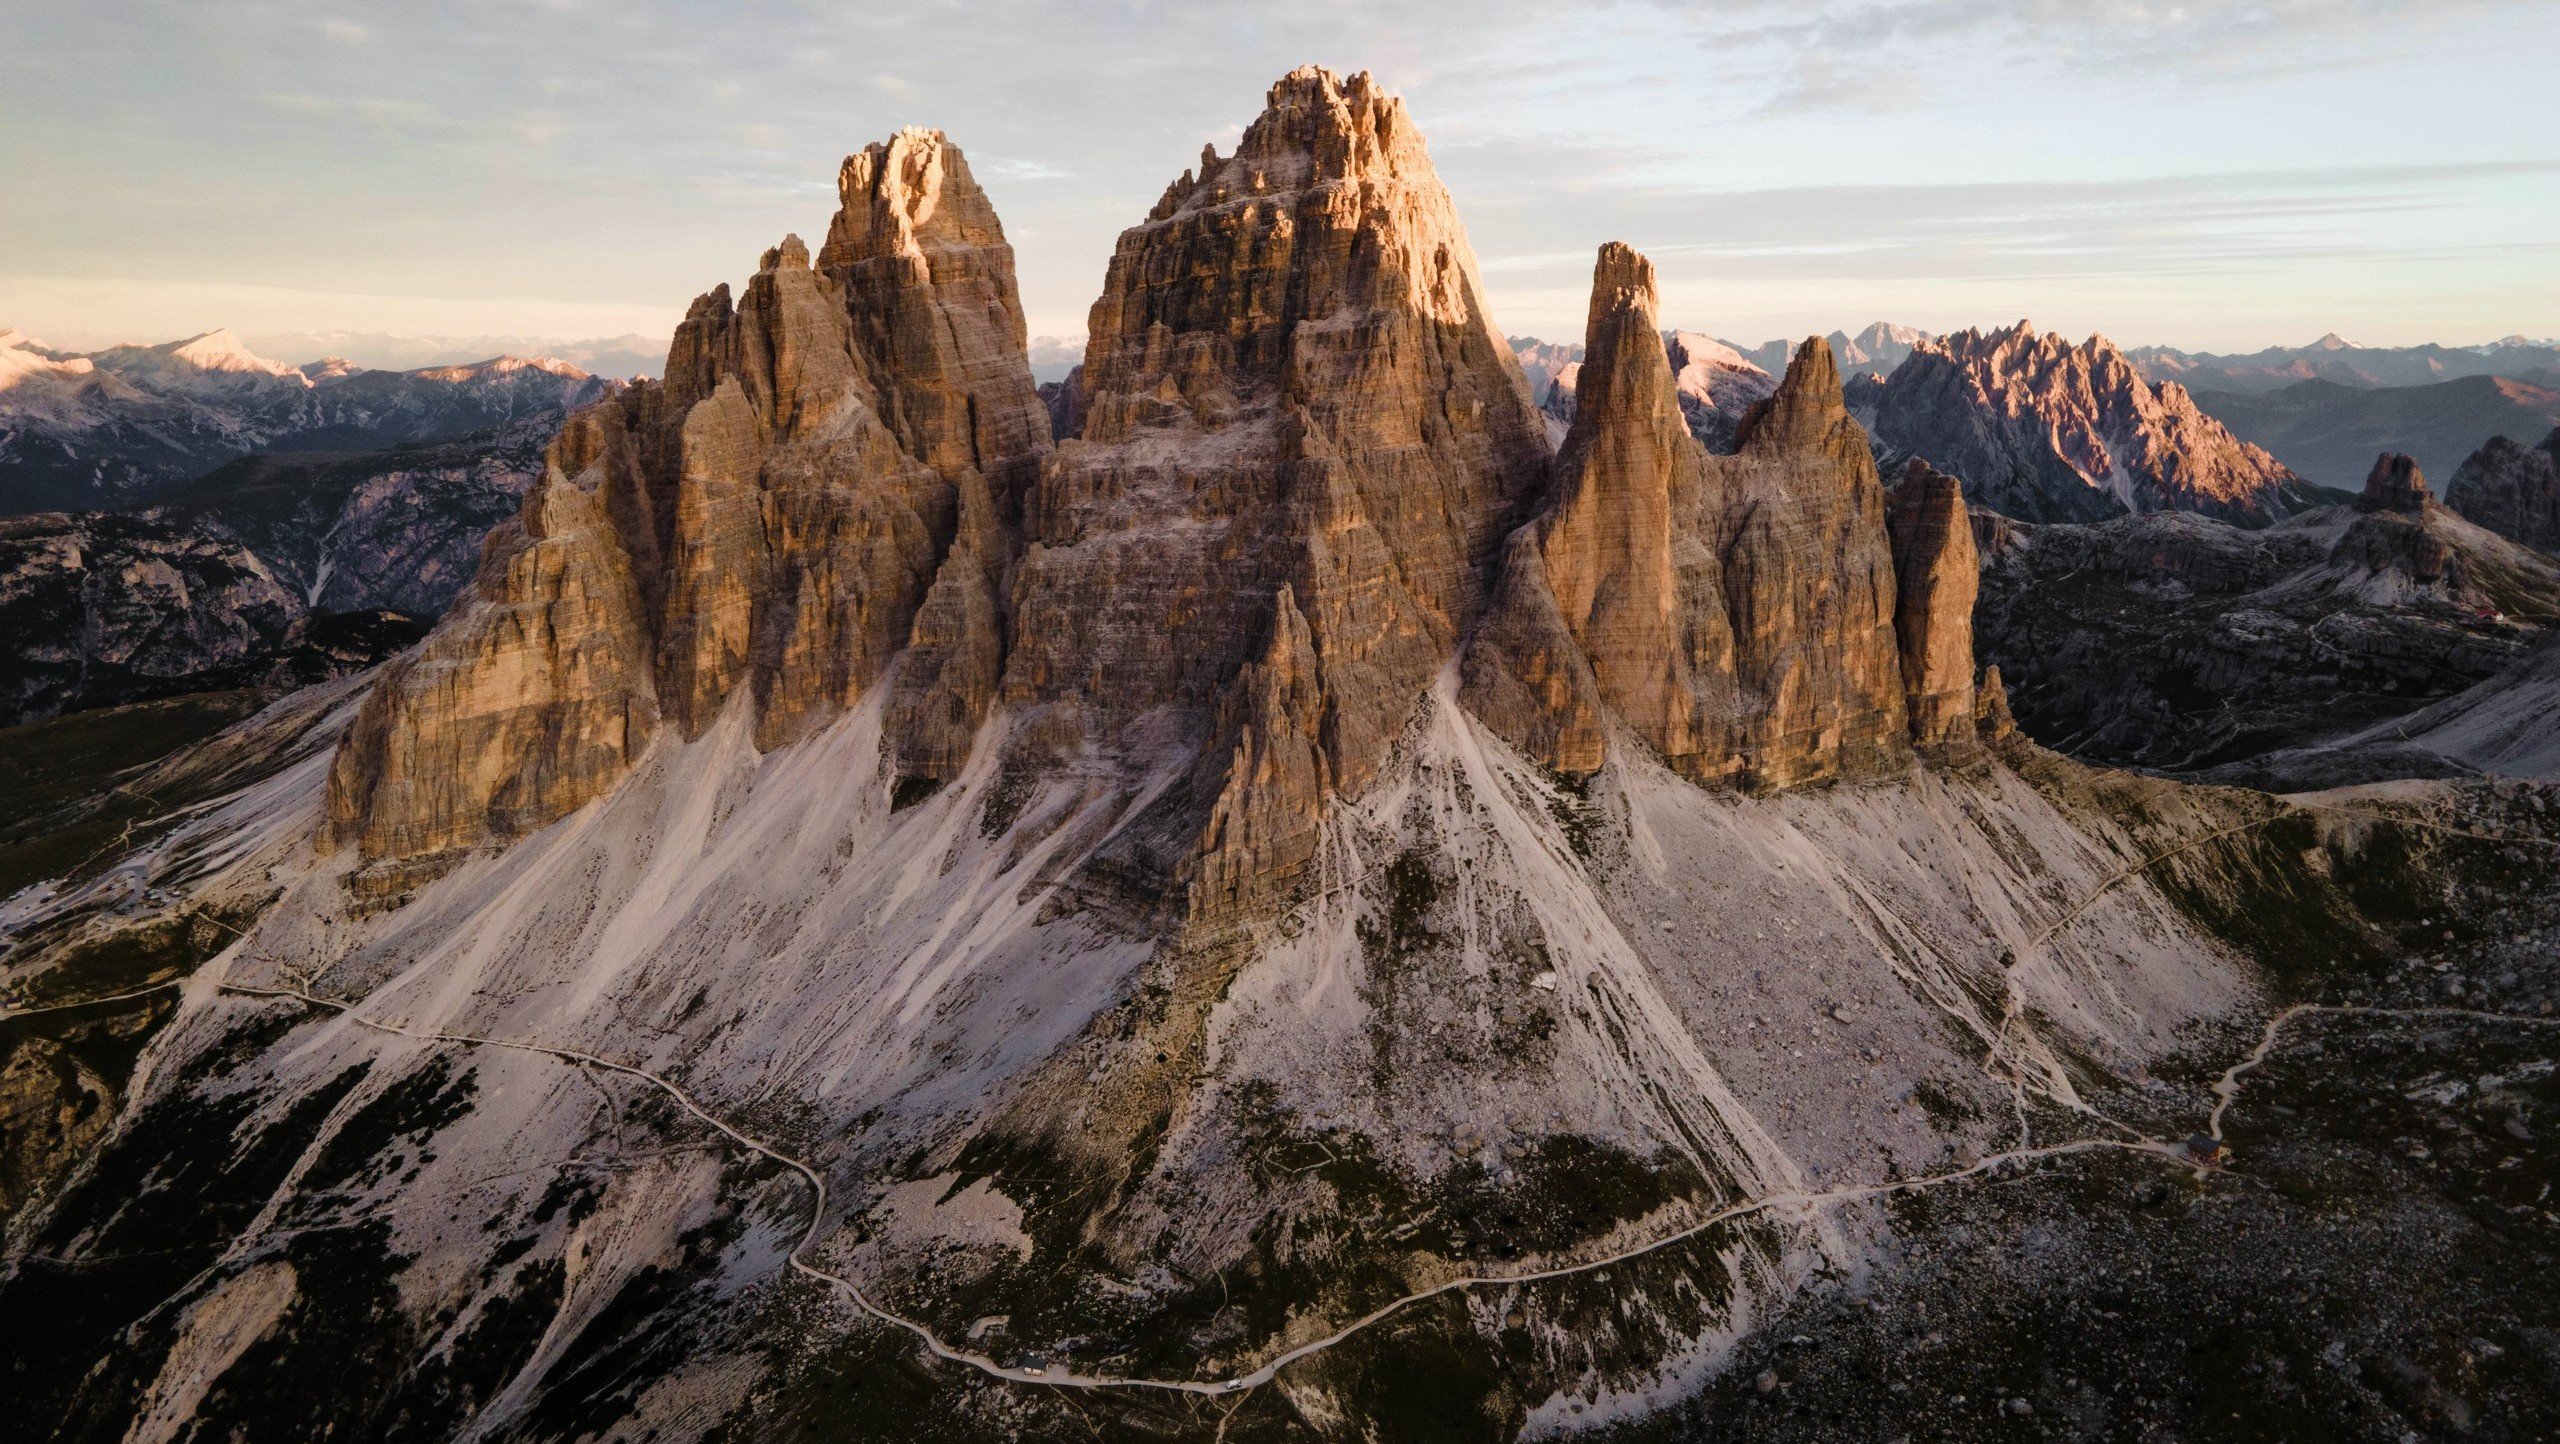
(105, 609)
(2329, 433)
(2512, 490)
(2042, 430)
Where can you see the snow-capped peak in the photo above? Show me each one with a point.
(222, 350)
(2335, 342)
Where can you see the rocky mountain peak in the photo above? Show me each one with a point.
(821, 483)
(1805, 410)
(1733, 613)
(2395, 484)
(912, 198)
(2046, 430)
(2512, 490)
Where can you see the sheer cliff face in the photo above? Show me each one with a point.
(2043, 430)
(1735, 613)
(2512, 490)
(824, 478)
(1303, 446)
(1937, 574)
(1291, 383)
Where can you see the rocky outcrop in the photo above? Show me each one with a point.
(2175, 642)
(2043, 430)
(96, 610)
(533, 698)
(1936, 575)
(1733, 613)
(1290, 383)
(2512, 490)
(1621, 609)
(2395, 485)
(825, 476)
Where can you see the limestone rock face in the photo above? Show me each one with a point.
(531, 699)
(827, 474)
(2047, 431)
(2512, 490)
(1624, 565)
(1936, 574)
(1735, 613)
(1810, 577)
(1290, 382)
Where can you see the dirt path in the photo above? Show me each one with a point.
(2226, 1090)
(1792, 1203)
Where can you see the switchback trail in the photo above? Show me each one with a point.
(1791, 1203)
(1800, 1204)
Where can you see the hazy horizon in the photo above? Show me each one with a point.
(2211, 177)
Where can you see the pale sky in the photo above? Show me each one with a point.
(2213, 176)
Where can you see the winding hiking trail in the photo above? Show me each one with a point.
(2226, 1091)
(1794, 1203)
(1787, 1202)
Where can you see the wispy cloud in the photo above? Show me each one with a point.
(2113, 155)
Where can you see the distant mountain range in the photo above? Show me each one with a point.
(84, 431)
(2319, 413)
(2335, 359)
(2330, 432)
(618, 357)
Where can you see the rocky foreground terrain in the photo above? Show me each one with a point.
(1298, 905)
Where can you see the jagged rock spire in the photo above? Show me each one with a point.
(1620, 563)
(1290, 382)
(1735, 613)
(826, 476)
(2395, 484)
(1937, 574)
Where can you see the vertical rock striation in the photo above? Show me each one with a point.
(1734, 613)
(1307, 474)
(827, 476)
(1937, 574)
(1290, 383)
